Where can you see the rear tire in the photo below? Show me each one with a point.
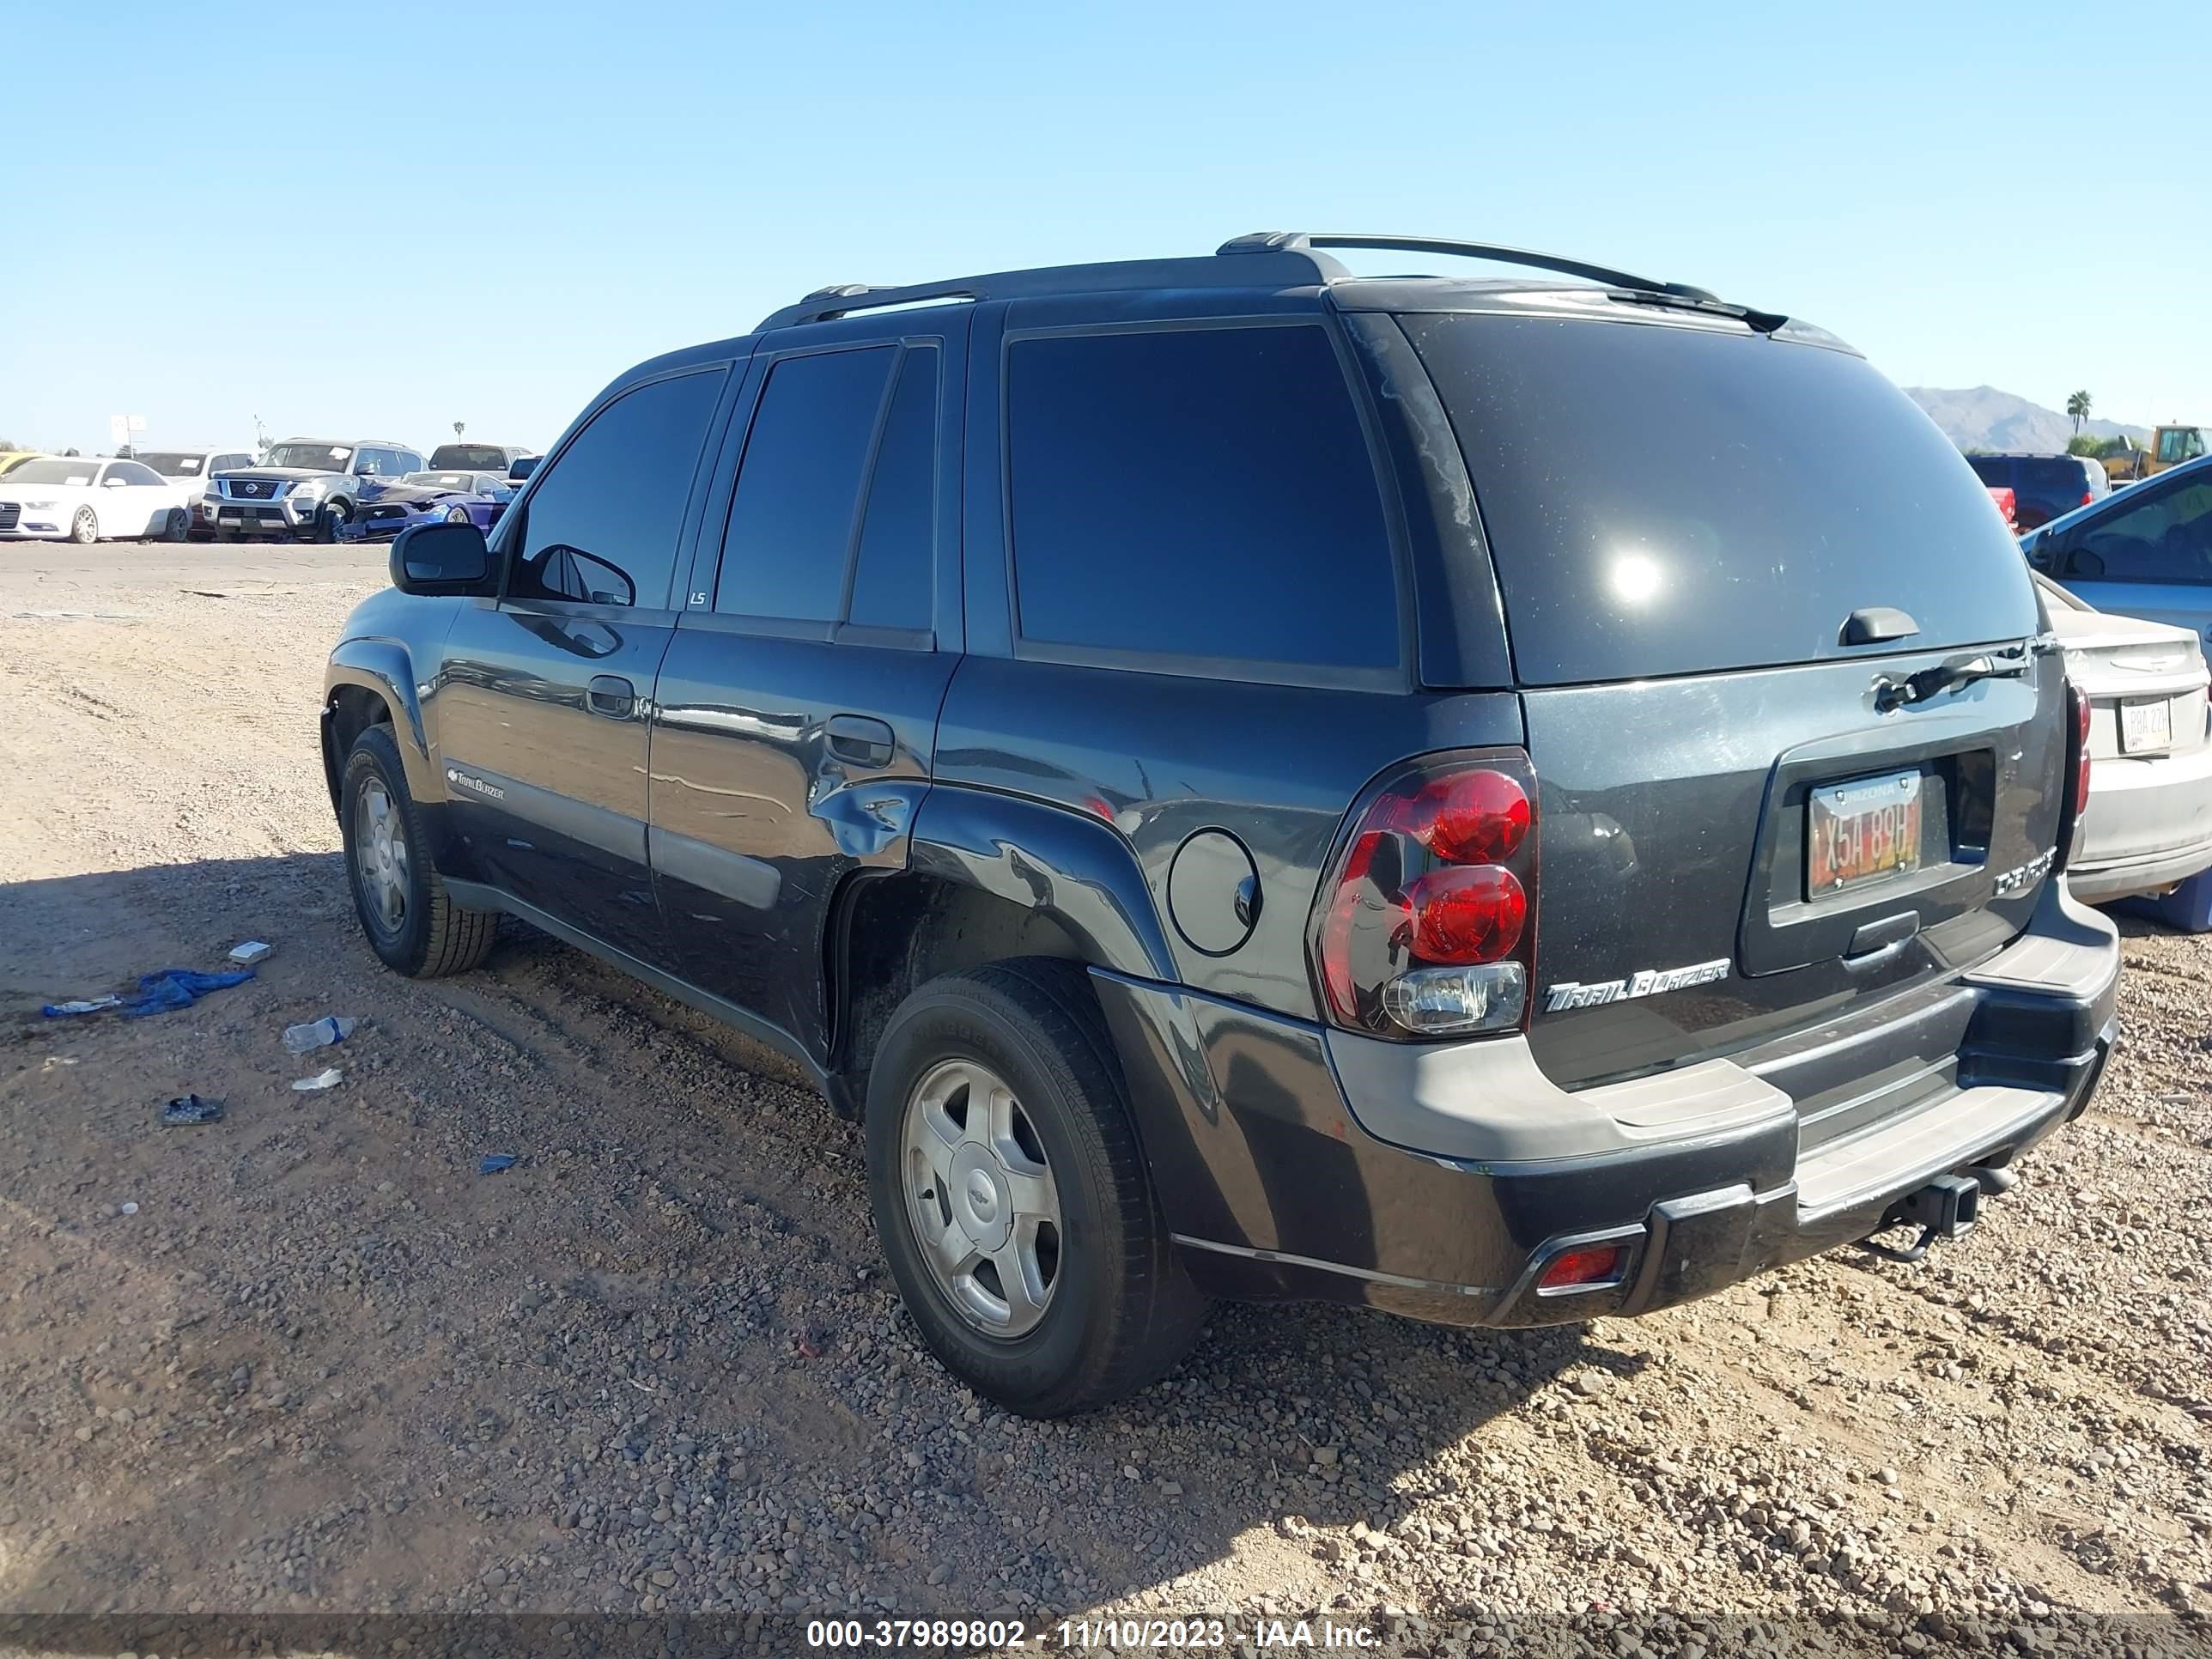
(412, 923)
(1119, 1312)
(178, 526)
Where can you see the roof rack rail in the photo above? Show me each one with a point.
(841, 299)
(1299, 241)
(1286, 259)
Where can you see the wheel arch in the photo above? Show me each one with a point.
(369, 681)
(989, 877)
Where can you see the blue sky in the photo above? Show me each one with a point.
(383, 218)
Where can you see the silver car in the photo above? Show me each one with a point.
(2149, 820)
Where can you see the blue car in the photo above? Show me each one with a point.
(2144, 551)
(477, 498)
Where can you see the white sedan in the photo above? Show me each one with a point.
(85, 498)
(2149, 820)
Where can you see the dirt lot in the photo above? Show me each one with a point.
(323, 1365)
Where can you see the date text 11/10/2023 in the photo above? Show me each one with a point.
(1079, 1635)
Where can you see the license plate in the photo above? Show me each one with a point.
(2145, 727)
(1862, 832)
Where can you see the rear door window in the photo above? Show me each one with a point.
(893, 566)
(791, 522)
(1670, 499)
(1202, 494)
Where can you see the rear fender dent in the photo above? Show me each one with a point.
(1078, 870)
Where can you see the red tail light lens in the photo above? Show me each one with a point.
(1425, 924)
(2088, 496)
(1599, 1265)
(1467, 913)
(2078, 770)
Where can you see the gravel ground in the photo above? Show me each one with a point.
(308, 1359)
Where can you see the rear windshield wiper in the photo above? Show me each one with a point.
(2007, 664)
(1762, 322)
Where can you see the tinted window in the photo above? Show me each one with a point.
(1992, 470)
(468, 456)
(612, 506)
(892, 571)
(1202, 492)
(791, 522)
(2163, 536)
(1664, 500)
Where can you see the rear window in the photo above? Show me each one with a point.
(1670, 499)
(2058, 472)
(1993, 470)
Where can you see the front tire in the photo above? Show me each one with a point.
(84, 529)
(1012, 1197)
(412, 923)
(328, 520)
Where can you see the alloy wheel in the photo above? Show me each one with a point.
(980, 1190)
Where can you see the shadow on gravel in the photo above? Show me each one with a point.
(656, 1369)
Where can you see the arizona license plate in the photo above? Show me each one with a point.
(1862, 832)
(2146, 726)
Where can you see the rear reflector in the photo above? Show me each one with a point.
(1598, 1265)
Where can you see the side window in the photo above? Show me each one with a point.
(2166, 537)
(602, 526)
(893, 568)
(1197, 492)
(791, 520)
(131, 472)
(409, 461)
(372, 463)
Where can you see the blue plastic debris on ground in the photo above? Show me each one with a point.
(157, 993)
(2188, 907)
(494, 1163)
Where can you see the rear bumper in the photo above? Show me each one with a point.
(1441, 1182)
(2148, 825)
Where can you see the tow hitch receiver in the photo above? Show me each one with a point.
(1944, 1208)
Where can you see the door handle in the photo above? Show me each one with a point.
(858, 740)
(612, 695)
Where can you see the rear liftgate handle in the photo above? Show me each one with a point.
(612, 695)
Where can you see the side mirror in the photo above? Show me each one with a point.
(114, 484)
(517, 470)
(443, 558)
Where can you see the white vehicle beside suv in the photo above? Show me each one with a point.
(90, 498)
(2148, 822)
(193, 467)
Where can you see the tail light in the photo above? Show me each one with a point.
(2077, 769)
(1426, 922)
(2088, 496)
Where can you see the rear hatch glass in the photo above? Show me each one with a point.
(1666, 499)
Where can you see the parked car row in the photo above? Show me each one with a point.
(303, 488)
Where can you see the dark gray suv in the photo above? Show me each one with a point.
(1251, 781)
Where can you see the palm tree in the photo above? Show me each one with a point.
(2078, 406)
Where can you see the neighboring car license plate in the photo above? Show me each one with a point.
(2146, 725)
(1861, 832)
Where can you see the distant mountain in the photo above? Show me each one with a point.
(1986, 418)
